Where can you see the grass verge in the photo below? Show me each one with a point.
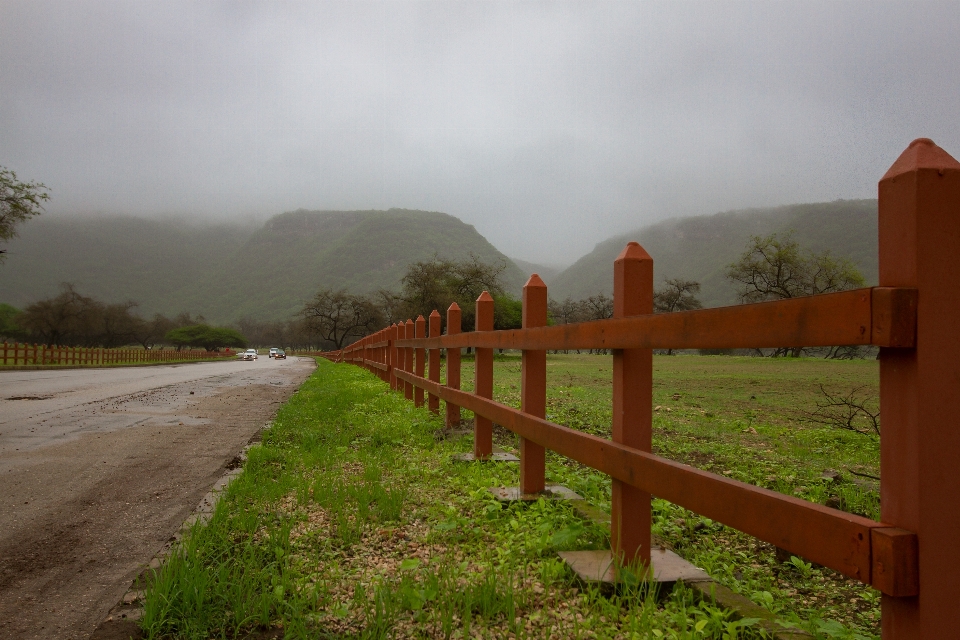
(351, 519)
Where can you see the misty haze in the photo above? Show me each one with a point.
(209, 210)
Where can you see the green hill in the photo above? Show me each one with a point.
(115, 258)
(296, 253)
(229, 272)
(700, 248)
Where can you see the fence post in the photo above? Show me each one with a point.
(483, 379)
(453, 364)
(919, 223)
(433, 402)
(421, 329)
(408, 361)
(401, 356)
(392, 354)
(533, 385)
(632, 405)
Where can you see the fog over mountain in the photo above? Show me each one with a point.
(548, 126)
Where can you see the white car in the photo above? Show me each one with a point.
(273, 352)
(250, 354)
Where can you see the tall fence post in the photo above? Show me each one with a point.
(421, 329)
(632, 405)
(401, 356)
(533, 385)
(433, 402)
(392, 350)
(453, 364)
(919, 223)
(408, 361)
(483, 379)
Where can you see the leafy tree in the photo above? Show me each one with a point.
(337, 316)
(207, 337)
(775, 267)
(9, 329)
(19, 201)
(437, 283)
(507, 313)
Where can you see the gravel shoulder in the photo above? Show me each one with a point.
(92, 487)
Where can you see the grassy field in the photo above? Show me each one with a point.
(352, 519)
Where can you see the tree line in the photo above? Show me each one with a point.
(75, 320)
(772, 267)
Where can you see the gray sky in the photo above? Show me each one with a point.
(548, 126)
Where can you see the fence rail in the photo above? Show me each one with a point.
(911, 556)
(17, 354)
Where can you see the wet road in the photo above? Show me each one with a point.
(98, 469)
(40, 408)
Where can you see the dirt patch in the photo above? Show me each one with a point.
(80, 520)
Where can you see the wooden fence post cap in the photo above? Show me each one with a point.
(633, 251)
(453, 307)
(485, 297)
(420, 318)
(535, 281)
(922, 153)
(434, 314)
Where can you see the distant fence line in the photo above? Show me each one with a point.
(44, 355)
(911, 556)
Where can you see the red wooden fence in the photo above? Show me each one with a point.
(27, 354)
(912, 556)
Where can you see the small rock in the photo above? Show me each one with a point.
(831, 475)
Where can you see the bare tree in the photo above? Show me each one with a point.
(391, 305)
(857, 410)
(61, 320)
(337, 315)
(676, 295)
(149, 332)
(567, 311)
(117, 324)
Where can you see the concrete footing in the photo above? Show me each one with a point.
(498, 455)
(598, 566)
(550, 492)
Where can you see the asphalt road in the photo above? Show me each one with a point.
(98, 468)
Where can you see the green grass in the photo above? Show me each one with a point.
(352, 520)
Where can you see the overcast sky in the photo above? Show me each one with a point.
(549, 126)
